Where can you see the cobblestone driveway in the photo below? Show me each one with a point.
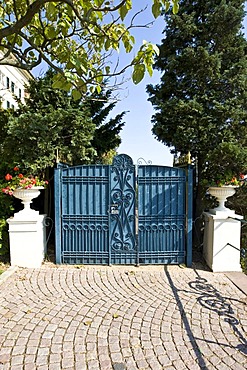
(121, 318)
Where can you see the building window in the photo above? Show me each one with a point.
(12, 87)
(7, 82)
(12, 106)
(8, 104)
(2, 79)
(20, 95)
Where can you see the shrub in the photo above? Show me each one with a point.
(6, 210)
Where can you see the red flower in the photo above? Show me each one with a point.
(6, 190)
(8, 177)
(21, 181)
(241, 176)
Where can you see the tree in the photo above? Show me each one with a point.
(106, 136)
(47, 126)
(52, 125)
(201, 100)
(74, 37)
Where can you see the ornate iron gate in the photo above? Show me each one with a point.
(101, 218)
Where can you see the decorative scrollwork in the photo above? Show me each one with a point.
(117, 196)
(123, 162)
(160, 227)
(120, 246)
(141, 161)
(123, 194)
(90, 227)
(48, 222)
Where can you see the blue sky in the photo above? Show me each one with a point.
(137, 138)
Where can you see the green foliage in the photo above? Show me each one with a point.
(225, 161)
(106, 136)
(201, 100)
(108, 157)
(76, 38)
(239, 204)
(243, 258)
(6, 210)
(35, 138)
(52, 125)
(144, 61)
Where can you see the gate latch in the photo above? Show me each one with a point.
(114, 209)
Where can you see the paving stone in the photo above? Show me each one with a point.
(119, 317)
(4, 358)
(18, 350)
(93, 365)
(30, 366)
(55, 366)
(16, 360)
(119, 366)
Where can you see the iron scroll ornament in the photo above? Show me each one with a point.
(123, 197)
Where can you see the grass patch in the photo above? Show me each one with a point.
(3, 265)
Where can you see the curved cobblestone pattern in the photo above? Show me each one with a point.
(100, 318)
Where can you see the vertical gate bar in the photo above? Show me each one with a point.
(87, 191)
(80, 209)
(72, 200)
(189, 202)
(101, 200)
(136, 174)
(57, 201)
(71, 195)
(180, 210)
(94, 192)
(109, 214)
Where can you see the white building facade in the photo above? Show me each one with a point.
(12, 84)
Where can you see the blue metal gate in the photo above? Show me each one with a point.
(101, 218)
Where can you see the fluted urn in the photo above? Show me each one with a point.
(26, 196)
(221, 193)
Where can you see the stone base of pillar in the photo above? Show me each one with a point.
(27, 240)
(221, 244)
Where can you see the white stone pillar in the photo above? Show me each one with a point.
(27, 239)
(221, 244)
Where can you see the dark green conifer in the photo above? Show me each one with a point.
(201, 101)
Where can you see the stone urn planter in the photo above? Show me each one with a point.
(221, 243)
(27, 231)
(26, 196)
(221, 193)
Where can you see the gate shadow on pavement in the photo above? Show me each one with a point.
(209, 298)
(185, 320)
